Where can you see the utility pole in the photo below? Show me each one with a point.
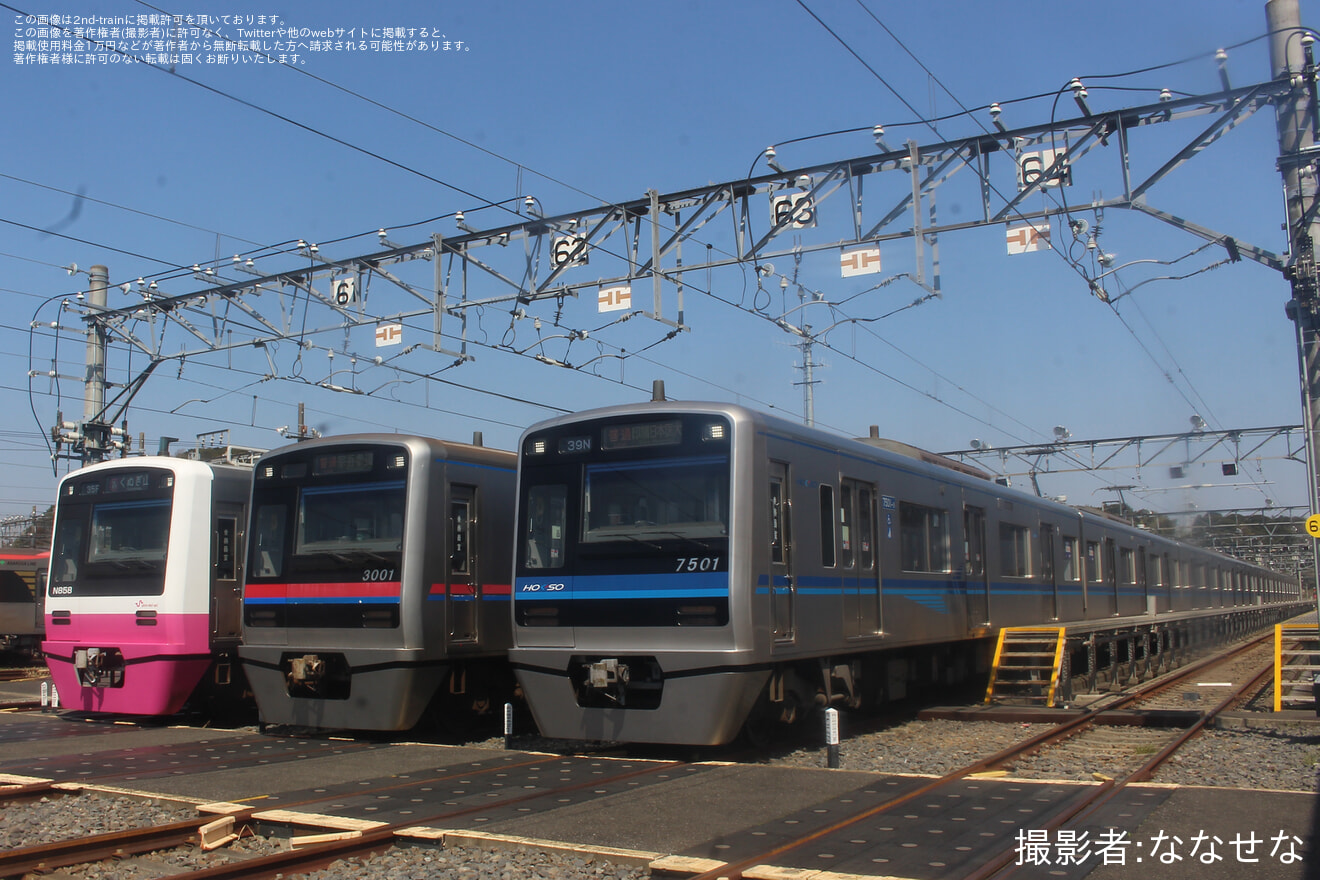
(809, 380)
(94, 381)
(1291, 59)
(93, 437)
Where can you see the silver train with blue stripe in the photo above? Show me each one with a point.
(377, 590)
(685, 571)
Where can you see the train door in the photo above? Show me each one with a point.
(976, 584)
(782, 587)
(1047, 570)
(464, 593)
(39, 607)
(226, 572)
(1110, 569)
(1143, 580)
(858, 560)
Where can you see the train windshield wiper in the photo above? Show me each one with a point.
(357, 555)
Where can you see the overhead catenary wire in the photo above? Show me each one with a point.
(857, 319)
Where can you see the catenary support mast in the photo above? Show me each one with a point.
(1291, 59)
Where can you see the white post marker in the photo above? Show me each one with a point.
(45, 695)
(508, 725)
(832, 737)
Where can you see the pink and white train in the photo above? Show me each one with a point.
(144, 600)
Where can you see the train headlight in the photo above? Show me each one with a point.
(537, 447)
(714, 431)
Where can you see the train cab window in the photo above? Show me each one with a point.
(268, 541)
(924, 537)
(546, 526)
(1092, 561)
(827, 526)
(1069, 558)
(69, 540)
(1014, 550)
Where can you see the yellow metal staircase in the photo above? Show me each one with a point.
(1296, 664)
(1027, 664)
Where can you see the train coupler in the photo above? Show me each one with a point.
(306, 670)
(609, 676)
(617, 682)
(99, 667)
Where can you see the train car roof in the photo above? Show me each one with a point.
(442, 448)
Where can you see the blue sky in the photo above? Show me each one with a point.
(148, 173)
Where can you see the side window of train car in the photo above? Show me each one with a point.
(866, 528)
(856, 525)
(778, 536)
(460, 526)
(1069, 558)
(974, 541)
(924, 537)
(845, 524)
(827, 525)
(1127, 565)
(1092, 561)
(1014, 550)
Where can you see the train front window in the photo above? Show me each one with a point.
(546, 524)
(684, 498)
(132, 536)
(268, 540)
(354, 521)
(110, 549)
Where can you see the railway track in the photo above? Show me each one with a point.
(1147, 747)
(301, 857)
(1132, 750)
(25, 673)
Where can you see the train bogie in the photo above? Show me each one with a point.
(377, 588)
(666, 547)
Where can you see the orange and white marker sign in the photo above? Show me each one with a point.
(860, 261)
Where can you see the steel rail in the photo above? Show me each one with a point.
(1000, 867)
(373, 840)
(49, 856)
(29, 790)
(734, 870)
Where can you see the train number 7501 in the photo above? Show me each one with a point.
(698, 563)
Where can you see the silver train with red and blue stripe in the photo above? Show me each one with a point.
(377, 590)
(685, 571)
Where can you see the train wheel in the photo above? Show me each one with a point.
(769, 723)
(469, 704)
